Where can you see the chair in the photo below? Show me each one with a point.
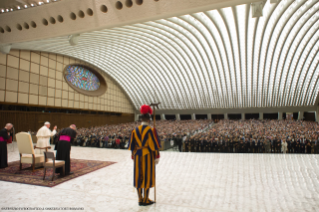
(52, 163)
(26, 150)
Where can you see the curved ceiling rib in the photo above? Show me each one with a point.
(213, 59)
(281, 46)
(296, 36)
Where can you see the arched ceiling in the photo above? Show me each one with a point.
(213, 59)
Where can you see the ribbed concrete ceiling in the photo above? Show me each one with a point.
(213, 59)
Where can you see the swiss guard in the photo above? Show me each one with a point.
(144, 144)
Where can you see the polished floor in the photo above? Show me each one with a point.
(185, 182)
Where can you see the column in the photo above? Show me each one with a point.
(193, 116)
(163, 117)
(137, 117)
(317, 114)
(300, 115)
(242, 116)
(279, 115)
(261, 116)
(209, 116)
(178, 117)
(225, 115)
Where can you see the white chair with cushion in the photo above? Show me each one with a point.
(26, 150)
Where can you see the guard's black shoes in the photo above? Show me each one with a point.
(147, 204)
(151, 201)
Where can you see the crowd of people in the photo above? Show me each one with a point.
(256, 136)
(117, 136)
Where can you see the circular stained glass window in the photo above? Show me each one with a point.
(84, 80)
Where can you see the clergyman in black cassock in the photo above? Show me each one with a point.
(4, 136)
(63, 146)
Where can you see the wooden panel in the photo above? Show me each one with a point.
(24, 121)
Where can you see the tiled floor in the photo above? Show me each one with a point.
(185, 182)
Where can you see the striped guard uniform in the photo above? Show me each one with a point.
(144, 144)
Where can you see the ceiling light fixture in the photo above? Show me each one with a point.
(74, 39)
(25, 6)
(257, 9)
(5, 49)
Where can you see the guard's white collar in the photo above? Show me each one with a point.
(144, 123)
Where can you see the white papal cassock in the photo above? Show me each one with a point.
(43, 136)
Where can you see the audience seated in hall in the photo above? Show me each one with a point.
(257, 136)
(117, 136)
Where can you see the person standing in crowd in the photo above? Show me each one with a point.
(219, 144)
(297, 147)
(253, 145)
(236, 144)
(43, 135)
(205, 144)
(308, 146)
(231, 145)
(207, 141)
(117, 141)
(201, 145)
(179, 142)
(267, 145)
(316, 147)
(248, 145)
(186, 143)
(197, 140)
(278, 145)
(106, 141)
(213, 144)
(259, 145)
(302, 145)
(284, 146)
(226, 141)
(4, 136)
(144, 145)
(289, 145)
(192, 145)
(272, 145)
(241, 146)
(245, 145)
(313, 139)
(63, 146)
(293, 145)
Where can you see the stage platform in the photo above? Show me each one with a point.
(185, 182)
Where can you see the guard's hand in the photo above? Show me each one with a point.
(157, 161)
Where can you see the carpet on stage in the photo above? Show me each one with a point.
(26, 176)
